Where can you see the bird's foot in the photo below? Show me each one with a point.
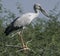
(24, 49)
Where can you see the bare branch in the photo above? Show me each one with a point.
(13, 46)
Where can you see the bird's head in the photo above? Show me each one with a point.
(37, 7)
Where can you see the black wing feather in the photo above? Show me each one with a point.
(11, 27)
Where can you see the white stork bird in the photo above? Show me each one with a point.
(24, 20)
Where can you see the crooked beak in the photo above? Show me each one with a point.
(44, 12)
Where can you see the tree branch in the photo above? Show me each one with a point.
(13, 46)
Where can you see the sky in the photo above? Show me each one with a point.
(27, 5)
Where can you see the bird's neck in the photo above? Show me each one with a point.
(37, 12)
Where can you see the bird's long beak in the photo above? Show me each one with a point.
(44, 12)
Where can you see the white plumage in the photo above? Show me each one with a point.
(25, 19)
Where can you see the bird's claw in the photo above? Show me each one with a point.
(25, 49)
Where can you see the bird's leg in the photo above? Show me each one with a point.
(19, 33)
(23, 44)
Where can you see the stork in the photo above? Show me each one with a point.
(25, 19)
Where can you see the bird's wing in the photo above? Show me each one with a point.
(14, 20)
(23, 20)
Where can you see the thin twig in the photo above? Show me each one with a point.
(14, 46)
(24, 49)
(28, 41)
(15, 34)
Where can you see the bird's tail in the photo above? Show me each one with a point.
(8, 30)
(11, 28)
